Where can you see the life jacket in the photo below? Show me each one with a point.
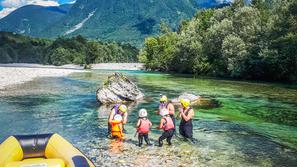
(116, 130)
(165, 105)
(144, 126)
(115, 126)
(168, 125)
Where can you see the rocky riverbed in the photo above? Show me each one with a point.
(18, 75)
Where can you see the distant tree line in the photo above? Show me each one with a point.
(255, 41)
(16, 48)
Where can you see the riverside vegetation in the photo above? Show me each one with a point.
(256, 41)
(16, 48)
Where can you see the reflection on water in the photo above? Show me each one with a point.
(116, 146)
(251, 125)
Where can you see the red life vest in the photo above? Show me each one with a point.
(168, 125)
(144, 126)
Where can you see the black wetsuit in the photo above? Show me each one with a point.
(167, 134)
(140, 139)
(186, 127)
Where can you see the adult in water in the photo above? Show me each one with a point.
(186, 114)
(164, 104)
(120, 109)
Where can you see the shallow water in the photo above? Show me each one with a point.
(255, 124)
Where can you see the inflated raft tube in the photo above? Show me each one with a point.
(47, 150)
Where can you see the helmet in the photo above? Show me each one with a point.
(142, 113)
(163, 99)
(164, 112)
(185, 102)
(118, 118)
(123, 108)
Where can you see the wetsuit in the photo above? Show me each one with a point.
(168, 131)
(140, 139)
(186, 127)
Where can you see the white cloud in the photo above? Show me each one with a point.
(11, 5)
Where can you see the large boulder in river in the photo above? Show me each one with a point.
(193, 98)
(118, 89)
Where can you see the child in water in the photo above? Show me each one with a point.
(143, 127)
(117, 127)
(167, 125)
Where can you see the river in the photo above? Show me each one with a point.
(252, 124)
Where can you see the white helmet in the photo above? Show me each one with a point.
(164, 112)
(142, 113)
(118, 117)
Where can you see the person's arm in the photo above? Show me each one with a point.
(171, 108)
(138, 123)
(111, 115)
(150, 123)
(125, 118)
(161, 124)
(190, 115)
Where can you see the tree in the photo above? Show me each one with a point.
(60, 56)
(213, 45)
(234, 52)
(237, 4)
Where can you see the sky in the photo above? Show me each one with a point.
(7, 6)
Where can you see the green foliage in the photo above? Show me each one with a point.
(258, 41)
(76, 50)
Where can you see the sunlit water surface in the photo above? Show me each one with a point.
(255, 124)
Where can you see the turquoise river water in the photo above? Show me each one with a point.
(249, 124)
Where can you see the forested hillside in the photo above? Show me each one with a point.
(78, 50)
(128, 21)
(33, 19)
(258, 41)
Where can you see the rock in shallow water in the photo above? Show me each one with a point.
(118, 89)
(193, 98)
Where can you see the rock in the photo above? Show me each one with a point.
(193, 98)
(118, 89)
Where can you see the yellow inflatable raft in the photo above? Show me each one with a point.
(48, 150)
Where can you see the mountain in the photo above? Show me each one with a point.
(33, 19)
(120, 20)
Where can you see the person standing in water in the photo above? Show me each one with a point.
(167, 125)
(186, 114)
(143, 127)
(120, 109)
(164, 104)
